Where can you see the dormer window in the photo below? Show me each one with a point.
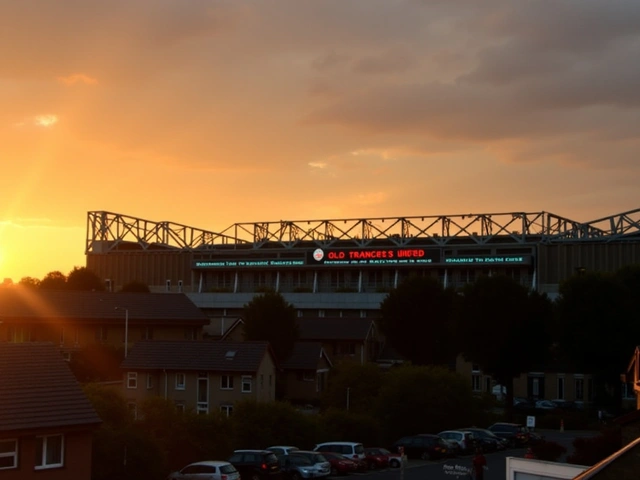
(230, 355)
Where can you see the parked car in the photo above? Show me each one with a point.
(382, 458)
(463, 440)
(282, 449)
(352, 450)
(340, 465)
(516, 433)
(317, 459)
(424, 446)
(256, 464)
(207, 470)
(297, 467)
(546, 405)
(487, 440)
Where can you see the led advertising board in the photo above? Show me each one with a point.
(364, 257)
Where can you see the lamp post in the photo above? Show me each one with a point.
(126, 330)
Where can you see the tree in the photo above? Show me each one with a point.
(417, 321)
(596, 321)
(135, 287)
(419, 399)
(352, 386)
(504, 329)
(83, 279)
(54, 281)
(269, 317)
(29, 282)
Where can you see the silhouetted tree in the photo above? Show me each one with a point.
(504, 329)
(29, 282)
(596, 321)
(97, 362)
(269, 317)
(417, 320)
(419, 399)
(55, 280)
(135, 287)
(81, 278)
(360, 384)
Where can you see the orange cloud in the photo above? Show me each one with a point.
(77, 78)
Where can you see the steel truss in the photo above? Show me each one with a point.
(106, 231)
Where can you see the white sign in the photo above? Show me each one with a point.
(531, 421)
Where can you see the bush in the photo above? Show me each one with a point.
(591, 450)
(550, 451)
(349, 426)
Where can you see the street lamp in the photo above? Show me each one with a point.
(126, 330)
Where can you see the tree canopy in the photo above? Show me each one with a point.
(417, 320)
(504, 328)
(269, 317)
(83, 279)
(359, 383)
(596, 321)
(55, 280)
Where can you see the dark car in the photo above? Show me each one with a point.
(515, 433)
(256, 464)
(340, 465)
(487, 440)
(382, 458)
(424, 446)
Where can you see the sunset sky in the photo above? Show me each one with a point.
(208, 113)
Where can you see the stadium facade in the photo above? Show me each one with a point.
(345, 267)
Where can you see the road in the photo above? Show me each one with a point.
(455, 468)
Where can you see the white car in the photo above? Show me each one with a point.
(207, 470)
(463, 440)
(282, 449)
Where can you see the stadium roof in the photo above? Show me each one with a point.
(107, 231)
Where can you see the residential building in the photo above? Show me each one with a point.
(352, 339)
(46, 421)
(536, 385)
(73, 320)
(203, 376)
(305, 372)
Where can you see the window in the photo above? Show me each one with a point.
(150, 380)
(180, 407)
(321, 313)
(579, 385)
(476, 385)
(132, 379)
(180, 381)
(49, 451)
(226, 409)
(226, 382)
(475, 368)
(347, 348)
(560, 388)
(8, 454)
(246, 384)
(190, 333)
(309, 376)
(535, 386)
(363, 314)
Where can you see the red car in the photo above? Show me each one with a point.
(340, 465)
(382, 458)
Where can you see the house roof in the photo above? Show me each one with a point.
(21, 303)
(305, 356)
(335, 328)
(38, 390)
(189, 355)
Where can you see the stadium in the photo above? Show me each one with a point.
(345, 267)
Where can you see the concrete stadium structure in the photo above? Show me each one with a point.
(345, 267)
